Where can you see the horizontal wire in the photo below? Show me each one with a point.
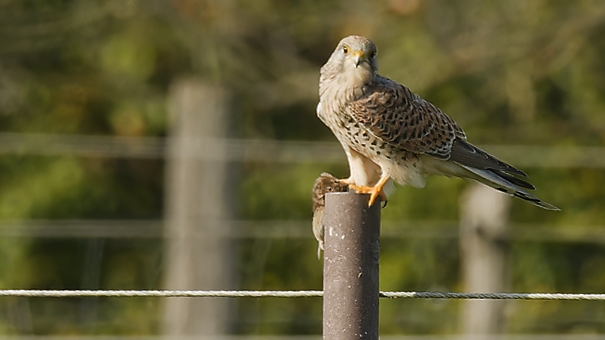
(281, 229)
(494, 296)
(207, 149)
(257, 150)
(161, 293)
(294, 294)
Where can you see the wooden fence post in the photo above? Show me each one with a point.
(198, 205)
(484, 243)
(352, 249)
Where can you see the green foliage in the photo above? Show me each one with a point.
(510, 72)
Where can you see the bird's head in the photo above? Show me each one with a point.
(355, 58)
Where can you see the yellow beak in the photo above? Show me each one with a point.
(358, 57)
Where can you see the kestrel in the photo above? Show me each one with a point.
(389, 132)
(323, 184)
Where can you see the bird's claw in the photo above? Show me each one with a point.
(375, 192)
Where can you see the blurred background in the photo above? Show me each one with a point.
(173, 144)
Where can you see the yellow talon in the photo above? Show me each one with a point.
(375, 191)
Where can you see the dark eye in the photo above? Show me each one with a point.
(373, 54)
(345, 49)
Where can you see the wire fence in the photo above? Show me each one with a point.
(248, 150)
(289, 229)
(293, 294)
(310, 337)
(278, 152)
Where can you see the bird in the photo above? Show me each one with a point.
(390, 133)
(324, 184)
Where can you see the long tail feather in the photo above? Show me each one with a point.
(508, 184)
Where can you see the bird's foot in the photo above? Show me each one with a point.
(375, 192)
(346, 182)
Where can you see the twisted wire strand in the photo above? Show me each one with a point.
(494, 296)
(293, 294)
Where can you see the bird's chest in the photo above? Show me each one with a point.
(356, 136)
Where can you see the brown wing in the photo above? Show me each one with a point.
(401, 118)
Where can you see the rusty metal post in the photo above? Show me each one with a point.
(352, 248)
